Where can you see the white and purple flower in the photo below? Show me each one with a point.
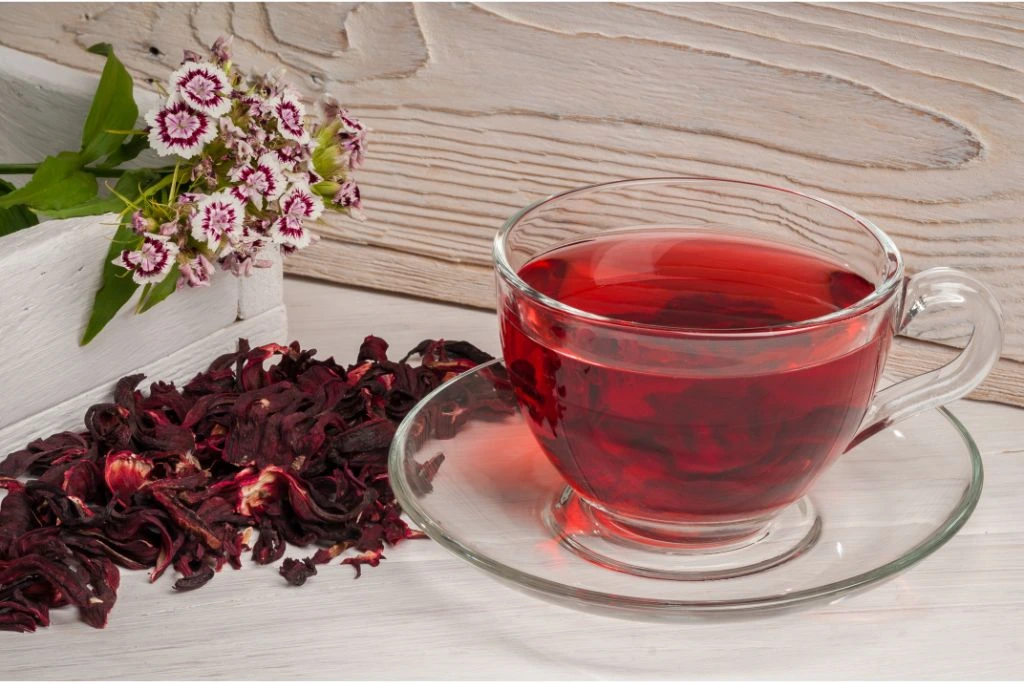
(169, 228)
(301, 203)
(298, 205)
(218, 216)
(196, 272)
(203, 86)
(151, 262)
(252, 105)
(228, 130)
(290, 155)
(350, 124)
(221, 50)
(290, 114)
(352, 133)
(259, 183)
(141, 224)
(178, 129)
(237, 140)
(348, 196)
(252, 172)
(242, 263)
(356, 147)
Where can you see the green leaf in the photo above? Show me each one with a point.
(93, 207)
(129, 186)
(15, 218)
(101, 49)
(126, 152)
(113, 108)
(161, 290)
(117, 287)
(58, 183)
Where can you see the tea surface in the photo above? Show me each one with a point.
(664, 277)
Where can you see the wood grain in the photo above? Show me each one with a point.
(424, 614)
(909, 114)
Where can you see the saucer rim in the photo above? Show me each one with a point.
(958, 516)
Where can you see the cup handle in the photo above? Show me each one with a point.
(927, 290)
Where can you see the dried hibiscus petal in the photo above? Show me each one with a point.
(296, 572)
(368, 436)
(270, 545)
(454, 349)
(196, 580)
(40, 454)
(81, 480)
(370, 557)
(108, 426)
(104, 579)
(183, 478)
(373, 349)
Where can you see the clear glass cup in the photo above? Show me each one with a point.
(692, 442)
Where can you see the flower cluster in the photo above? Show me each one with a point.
(253, 172)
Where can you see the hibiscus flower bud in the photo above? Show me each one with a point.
(125, 473)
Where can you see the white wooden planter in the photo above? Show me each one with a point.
(49, 274)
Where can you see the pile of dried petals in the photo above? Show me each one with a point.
(241, 458)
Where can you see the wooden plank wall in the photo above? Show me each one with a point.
(909, 114)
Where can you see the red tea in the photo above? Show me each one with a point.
(679, 446)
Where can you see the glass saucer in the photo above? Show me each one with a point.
(882, 507)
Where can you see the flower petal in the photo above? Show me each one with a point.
(290, 232)
(302, 203)
(348, 195)
(218, 216)
(290, 116)
(204, 86)
(178, 129)
(264, 180)
(151, 262)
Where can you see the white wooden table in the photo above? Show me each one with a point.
(425, 614)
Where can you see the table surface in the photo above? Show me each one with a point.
(424, 613)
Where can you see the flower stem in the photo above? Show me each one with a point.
(105, 172)
(174, 179)
(142, 299)
(153, 189)
(29, 169)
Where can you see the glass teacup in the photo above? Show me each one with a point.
(692, 353)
